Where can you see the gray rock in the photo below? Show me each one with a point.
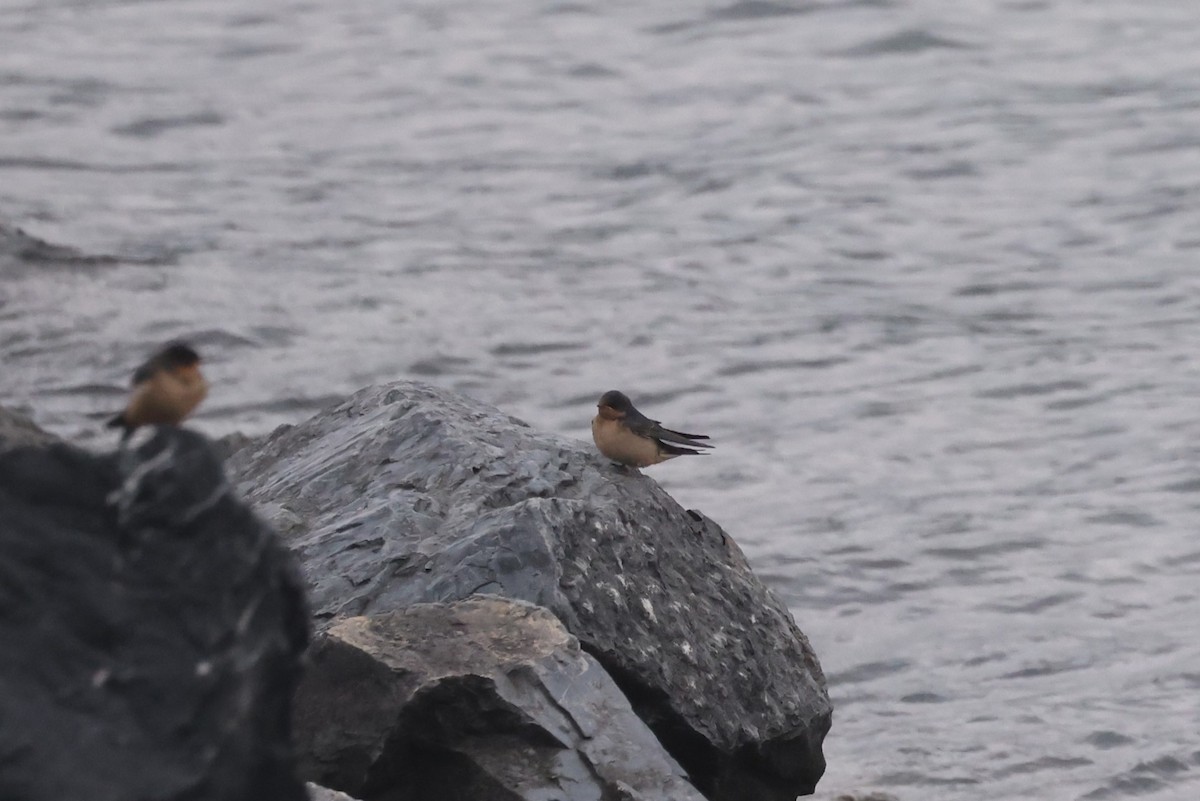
(20, 252)
(318, 793)
(230, 444)
(483, 698)
(406, 494)
(150, 630)
(16, 429)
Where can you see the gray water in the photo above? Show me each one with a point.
(925, 269)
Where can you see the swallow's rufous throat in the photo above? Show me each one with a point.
(166, 388)
(625, 435)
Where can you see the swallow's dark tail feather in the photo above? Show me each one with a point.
(675, 450)
(680, 438)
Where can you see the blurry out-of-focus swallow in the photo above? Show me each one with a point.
(166, 388)
(625, 435)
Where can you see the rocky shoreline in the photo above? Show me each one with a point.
(501, 613)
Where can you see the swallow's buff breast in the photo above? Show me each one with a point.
(166, 398)
(620, 444)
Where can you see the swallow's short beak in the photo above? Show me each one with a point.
(189, 370)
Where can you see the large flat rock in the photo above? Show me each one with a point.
(485, 698)
(409, 494)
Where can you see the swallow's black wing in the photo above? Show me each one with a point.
(145, 370)
(643, 426)
(682, 438)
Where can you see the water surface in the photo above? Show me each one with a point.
(925, 269)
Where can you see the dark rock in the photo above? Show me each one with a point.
(406, 494)
(230, 444)
(19, 251)
(17, 429)
(150, 630)
(479, 699)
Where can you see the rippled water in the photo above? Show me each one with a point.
(926, 270)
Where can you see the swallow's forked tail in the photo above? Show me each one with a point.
(680, 438)
(675, 450)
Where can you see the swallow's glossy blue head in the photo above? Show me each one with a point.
(615, 400)
(178, 354)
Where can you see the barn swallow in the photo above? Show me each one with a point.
(625, 435)
(166, 388)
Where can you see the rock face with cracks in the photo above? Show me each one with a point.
(151, 629)
(482, 699)
(407, 494)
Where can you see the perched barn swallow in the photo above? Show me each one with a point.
(166, 388)
(625, 435)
